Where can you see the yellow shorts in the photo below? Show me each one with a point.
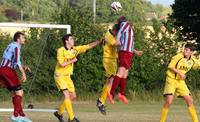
(64, 82)
(174, 86)
(110, 66)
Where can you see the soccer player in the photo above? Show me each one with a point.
(126, 37)
(8, 77)
(66, 57)
(175, 81)
(110, 56)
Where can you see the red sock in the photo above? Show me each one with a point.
(116, 82)
(122, 86)
(15, 113)
(17, 102)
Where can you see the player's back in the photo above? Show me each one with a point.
(109, 50)
(11, 55)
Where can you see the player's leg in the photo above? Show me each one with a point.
(123, 83)
(101, 101)
(59, 114)
(191, 108)
(188, 99)
(68, 104)
(125, 62)
(13, 85)
(117, 78)
(185, 93)
(121, 94)
(166, 106)
(17, 102)
(64, 85)
(105, 90)
(70, 95)
(169, 90)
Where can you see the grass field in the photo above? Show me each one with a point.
(87, 112)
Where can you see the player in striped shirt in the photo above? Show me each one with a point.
(66, 57)
(126, 37)
(8, 76)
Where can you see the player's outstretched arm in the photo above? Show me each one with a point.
(94, 44)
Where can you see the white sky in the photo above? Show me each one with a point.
(163, 2)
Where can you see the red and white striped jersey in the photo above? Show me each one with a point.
(126, 37)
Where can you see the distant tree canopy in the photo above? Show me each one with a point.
(42, 10)
(186, 18)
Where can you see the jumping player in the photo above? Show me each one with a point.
(8, 77)
(66, 56)
(110, 56)
(175, 81)
(126, 37)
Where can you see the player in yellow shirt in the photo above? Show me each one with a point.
(110, 56)
(66, 56)
(175, 81)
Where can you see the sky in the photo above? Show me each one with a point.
(163, 2)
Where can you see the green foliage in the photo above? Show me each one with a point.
(147, 74)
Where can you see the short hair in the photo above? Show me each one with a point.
(191, 46)
(65, 37)
(116, 27)
(121, 19)
(17, 35)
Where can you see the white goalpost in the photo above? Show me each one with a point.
(24, 25)
(50, 26)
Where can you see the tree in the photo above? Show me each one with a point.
(186, 18)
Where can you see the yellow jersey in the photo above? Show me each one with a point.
(109, 50)
(64, 55)
(181, 64)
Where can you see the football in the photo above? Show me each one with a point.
(115, 6)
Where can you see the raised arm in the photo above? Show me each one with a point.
(94, 44)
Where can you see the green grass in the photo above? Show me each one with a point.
(87, 112)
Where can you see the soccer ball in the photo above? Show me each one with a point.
(116, 6)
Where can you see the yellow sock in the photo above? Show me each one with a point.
(164, 112)
(61, 109)
(193, 113)
(104, 94)
(68, 106)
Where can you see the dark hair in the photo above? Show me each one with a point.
(65, 37)
(191, 46)
(17, 35)
(121, 19)
(116, 27)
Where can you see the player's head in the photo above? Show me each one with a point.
(19, 37)
(115, 29)
(189, 49)
(121, 19)
(68, 40)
